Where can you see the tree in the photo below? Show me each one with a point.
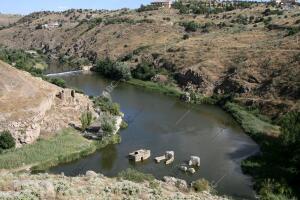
(6, 140)
(113, 70)
(144, 71)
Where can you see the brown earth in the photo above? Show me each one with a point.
(7, 19)
(31, 107)
(259, 64)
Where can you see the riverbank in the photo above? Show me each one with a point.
(92, 186)
(263, 133)
(64, 147)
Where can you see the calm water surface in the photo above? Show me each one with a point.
(162, 123)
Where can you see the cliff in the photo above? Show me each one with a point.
(31, 107)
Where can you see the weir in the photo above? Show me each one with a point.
(64, 73)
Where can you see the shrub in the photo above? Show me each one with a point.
(57, 81)
(113, 70)
(185, 36)
(144, 8)
(144, 71)
(108, 126)
(135, 176)
(190, 26)
(86, 120)
(106, 105)
(201, 185)
(6, 140)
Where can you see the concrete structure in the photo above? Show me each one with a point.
(140, 155)
(285, 2)
(162, 3)
(192, 170)
(169, 157)
(194, 161)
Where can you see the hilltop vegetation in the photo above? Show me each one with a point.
(248, 49)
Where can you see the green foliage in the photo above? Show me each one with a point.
(56, 81)
(268, 12)
(164, 89)
(144, 71)
(276, 170)
(124, 125)
(106, 105)
(250, 123)
(113, 70)
(144, 8)
(22, 60)
(198, 7)
(108, 126)
(86, 120)
(135, 176)
(6, 140)
(64, 147)
(119, 21)
(201, 185)
(290, 128)
(272, 190)
(190, 26)
(293, 30)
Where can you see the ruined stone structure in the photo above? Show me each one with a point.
(140, 155)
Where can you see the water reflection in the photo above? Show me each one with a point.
(108, 158)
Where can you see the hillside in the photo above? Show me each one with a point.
(251, 52)
(91, 186)
(6, 19)
(31, 107)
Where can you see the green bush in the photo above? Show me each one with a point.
(56, 81)
(6, 140)
(144, 71)
(108, 126)
(144, 8)
(86, 120)
(190, 26)
(106, 105)
(113, 70)
(135, 176)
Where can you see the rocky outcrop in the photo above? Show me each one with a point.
(30, 106)
(93, 186)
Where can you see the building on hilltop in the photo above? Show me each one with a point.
(162, 3)
(284, 2)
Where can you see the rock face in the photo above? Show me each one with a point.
(30, 106)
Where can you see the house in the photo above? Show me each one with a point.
(284, 2)
(51, 25)
(162, 3)
(140, 155)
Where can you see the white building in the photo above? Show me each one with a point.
(162, 3)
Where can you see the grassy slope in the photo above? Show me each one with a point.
(250, 123)
(64, 147)
(168, 90)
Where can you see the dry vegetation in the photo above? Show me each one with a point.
(252, 52)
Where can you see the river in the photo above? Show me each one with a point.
(160, 123)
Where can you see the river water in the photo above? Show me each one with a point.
(161, 123)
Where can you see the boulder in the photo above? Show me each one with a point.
(91, 174)
(179, 183)
(194, 161)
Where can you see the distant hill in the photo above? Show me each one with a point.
(252, 52)
(6, 19)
